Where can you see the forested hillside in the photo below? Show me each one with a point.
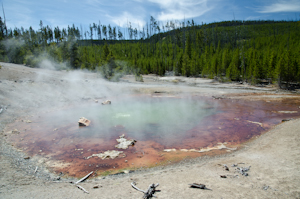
(249, 51)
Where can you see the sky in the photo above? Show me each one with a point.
(61, 13)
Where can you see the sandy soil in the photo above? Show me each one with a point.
(274, 157)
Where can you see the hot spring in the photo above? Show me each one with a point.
(166, 128)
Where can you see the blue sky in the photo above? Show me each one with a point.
(26, 13)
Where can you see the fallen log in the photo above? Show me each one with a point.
(199, 186)
(136, 188)
(80, 187)
(82, 179)
(286, 120)
(35, 169)
(85, 177)
(149, 193)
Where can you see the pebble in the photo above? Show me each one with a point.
(96, 186)
(266, 187)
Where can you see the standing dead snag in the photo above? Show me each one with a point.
(149, 193)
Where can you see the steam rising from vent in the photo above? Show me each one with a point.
(12, 44)
(51, 65)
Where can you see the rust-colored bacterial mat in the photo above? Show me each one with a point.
(165, 128)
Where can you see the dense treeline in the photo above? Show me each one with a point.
(233, 50)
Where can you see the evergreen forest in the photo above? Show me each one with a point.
(246, 51)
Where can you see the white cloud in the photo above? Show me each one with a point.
(180, 9)
(253, 18)
(126, 17)
(282, 6)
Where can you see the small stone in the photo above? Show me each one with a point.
(265, 187)
(15, 131)
(226, 167)
(57, 178)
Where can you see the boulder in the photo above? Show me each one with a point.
(84, 122)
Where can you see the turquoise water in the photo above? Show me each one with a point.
(140, 118)
(157, 116)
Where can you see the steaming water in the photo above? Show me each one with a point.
(139, 118)
(158, 117)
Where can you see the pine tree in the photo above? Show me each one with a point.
(186, 68)
(74, 56)
(233, 71)
(105, 52)
(185, 65)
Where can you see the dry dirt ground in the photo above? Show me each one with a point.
(274, 157)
